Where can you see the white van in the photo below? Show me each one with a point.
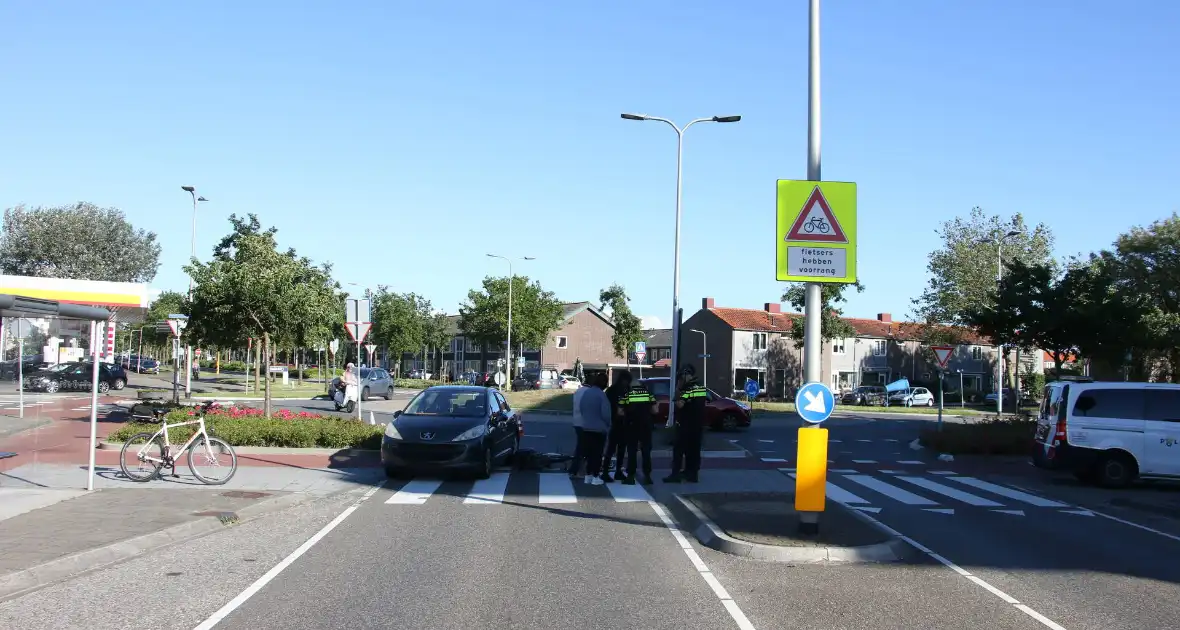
(1110, 433)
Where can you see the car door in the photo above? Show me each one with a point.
(511, 420)
(1108, 418)
(498, 422)
(1161, 432)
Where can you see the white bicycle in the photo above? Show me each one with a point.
(148, 453)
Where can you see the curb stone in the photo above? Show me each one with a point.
(270, 450)
(713, 537)
(28, 580)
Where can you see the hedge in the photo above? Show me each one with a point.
(1009, 436)
(242, 426)
(418, 383)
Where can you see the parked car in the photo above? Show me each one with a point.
(538, 379)
(9, 369)
(374, 382)
(452, 427)
(569, 382)
(77, 376)
(421, 374)
(721, 413)
(865, 395)
(142, 365)
(914, 396)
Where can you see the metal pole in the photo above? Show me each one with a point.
(188, 350)
(20, 367)
(358, 376)
(93, 410)
(962, 394)
(676, 280)
(508, 344)
(941, 376)
(1000, 354)
(139, 355)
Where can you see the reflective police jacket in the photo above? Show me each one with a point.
(694, 396)
(636, 404)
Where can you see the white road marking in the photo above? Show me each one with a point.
(838, 494)
(890, 440)
(891, 472)
(731, 606)
(773, 460)
(893, 492)
(1012, 512)
(767, 441)
(864, 461)
(974, 579)
(489, 491)
(627, 494)
(534, 436)
(1137, 525)
(415, 493)
(912, 462)
(836, 441)
(838, 470)
(234, 603)
(1078, 512)
(864, 440)
(940, 472)
(939, 510)
(1017, 495)
(954, 493)
(865, 508)
(557, 488)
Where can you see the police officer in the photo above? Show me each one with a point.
(637, 408)
(616, 441)
(690, 426)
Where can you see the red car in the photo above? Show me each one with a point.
(721, 413)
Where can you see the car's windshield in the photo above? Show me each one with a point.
(449, 402)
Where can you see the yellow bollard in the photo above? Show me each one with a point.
(811, 473)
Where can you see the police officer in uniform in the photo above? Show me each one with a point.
(637, 407)
(690, 426)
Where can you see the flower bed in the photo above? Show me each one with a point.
(249, 426)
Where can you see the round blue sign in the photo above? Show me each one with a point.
(814, 403)
(752, 388)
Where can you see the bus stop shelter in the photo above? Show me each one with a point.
(20, 306)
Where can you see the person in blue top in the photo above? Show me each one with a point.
(690, 427)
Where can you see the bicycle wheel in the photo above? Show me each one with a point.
(808, 227)
(145, 470)
(214, 462)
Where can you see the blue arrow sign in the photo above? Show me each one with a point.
(752, 388)
(814, 403)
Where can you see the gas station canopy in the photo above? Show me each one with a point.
(18, 306)
(73, 299)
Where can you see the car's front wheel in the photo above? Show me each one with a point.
(52, 387)
(1117, 470)
(929, 402)
(729, 422)
(120, 383)
(103, 387)
(485, 469)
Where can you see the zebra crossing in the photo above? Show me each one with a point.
(526, 487)
(941, 494)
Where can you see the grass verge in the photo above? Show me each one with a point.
(782, 407)
(556, 400)
(1008, 436)
(306, 431)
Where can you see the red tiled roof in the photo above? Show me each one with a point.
(754, 319)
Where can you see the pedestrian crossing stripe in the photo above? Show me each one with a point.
(553, 489)
(943, 491)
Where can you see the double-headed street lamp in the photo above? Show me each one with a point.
(508, 369)
(676, 247)
(999, 277)
(188, 349)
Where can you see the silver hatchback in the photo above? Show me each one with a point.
(374, 382)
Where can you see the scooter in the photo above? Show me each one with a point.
(345, 398)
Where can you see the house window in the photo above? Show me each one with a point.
(976, 353)
(472, 345)
(759, 341)
(561, 342)
(878, 347)
(838, 346)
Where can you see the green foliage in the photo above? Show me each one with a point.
(319, 432)
(165, 304)
(402, 321)
(535, 313)
(628, 327)
(1033, 383)
(1009, 436)
(963, 271)
(82, 242)
(832, 295)
(416, 383)
(1145, 265)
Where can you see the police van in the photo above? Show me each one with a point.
(1110, 433)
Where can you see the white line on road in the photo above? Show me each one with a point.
(627, 494)
(838, 494)
(557, 488)
(978, 581)
(1142, 527)
(731, 606)
(415, 492)
(767, 441)
(1023, 497)
(233, 604)
(954, 493)
(912, 462)
(534, 436)
(489, 491)
(773, 460)
(892, 492)
(864, 461)
(941, 472)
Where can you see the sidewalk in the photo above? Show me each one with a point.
(79, 532)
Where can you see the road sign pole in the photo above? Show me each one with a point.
(941, 376)
(358, 375)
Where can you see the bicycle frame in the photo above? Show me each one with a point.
(200, 432)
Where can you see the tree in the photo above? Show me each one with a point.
(251, 289)
(1146, 267)
(400, 321)
(831, 325)
(436, 334)
(628, 327)
(165, 304)
(535, 313)
(963, 271)
(82, 242)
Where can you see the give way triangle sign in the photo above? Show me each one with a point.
(816, 222)
(943, 354)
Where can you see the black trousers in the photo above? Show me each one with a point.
(686, 449)
(576, 462)
(639, 443)
(592, 444)
(616, 445)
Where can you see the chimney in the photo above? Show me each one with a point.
(708, 303)
(773, 307)
(884, 317)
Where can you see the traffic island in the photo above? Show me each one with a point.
(765, 526)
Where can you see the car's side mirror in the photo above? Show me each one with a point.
(397, 413)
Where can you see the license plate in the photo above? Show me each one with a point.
(1042, 431)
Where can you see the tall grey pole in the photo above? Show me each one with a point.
(676, 283)
(188, 349)
(1000, 353)
(508, 344)
(812, 343)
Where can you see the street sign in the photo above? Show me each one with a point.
(333, 346)
(943, 354)
(197, 352)
(370, 347)
(356, 311)
(499, 378)
(814, 403)
(816, 231)
(519, 361)
(174, 327)
(358, 331)
(752, 388)
(640, 347)
(640, 356)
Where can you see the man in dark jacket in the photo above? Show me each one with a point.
(637, 409)
(690, 399)
(616, 442)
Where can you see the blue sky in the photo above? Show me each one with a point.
(403, 141)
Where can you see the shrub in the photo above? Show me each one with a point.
(247, 426)
(1007, 436)
(416, 383)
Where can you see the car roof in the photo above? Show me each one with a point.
(459, 388)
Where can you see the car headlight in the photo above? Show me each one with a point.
(477, 431)
(744, 406)
(391, 432)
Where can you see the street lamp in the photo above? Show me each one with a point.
(508, 343)
(188, 349)
(704, 356)
(676, 247)
(999, 277)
